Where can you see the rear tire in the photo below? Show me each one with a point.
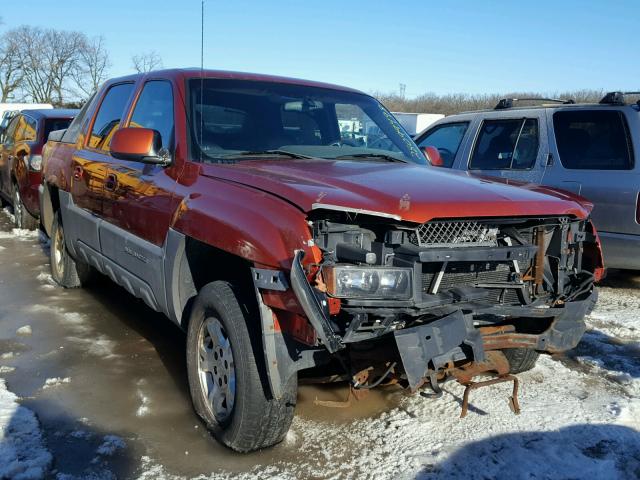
(22, 218)
(240, 412)
(521, 359)
(68, 272)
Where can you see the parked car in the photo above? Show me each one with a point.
(21, 160)
(588, 149)
(229, 202)
(10, 110)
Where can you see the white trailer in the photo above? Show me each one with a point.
(415, 123)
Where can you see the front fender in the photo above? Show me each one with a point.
(253, 225)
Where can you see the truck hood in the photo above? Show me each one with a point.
(412, 193)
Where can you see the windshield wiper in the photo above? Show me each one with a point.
(250, 153)
(389, 158)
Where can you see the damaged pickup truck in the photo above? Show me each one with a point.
(292, 229)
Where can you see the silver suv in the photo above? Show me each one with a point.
(588, 149)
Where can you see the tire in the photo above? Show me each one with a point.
(68, 272)
(247, 418)
(22, 218)
(521, 359)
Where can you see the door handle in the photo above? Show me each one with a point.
(111, 182)
(77, 172)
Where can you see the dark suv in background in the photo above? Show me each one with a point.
(588, 149)
(21, 160)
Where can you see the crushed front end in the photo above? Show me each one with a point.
(415, 304)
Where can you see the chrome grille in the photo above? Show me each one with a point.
(459, 233)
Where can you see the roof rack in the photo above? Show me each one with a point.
(508, 102)
(617, 98)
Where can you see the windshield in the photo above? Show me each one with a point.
(236, 119)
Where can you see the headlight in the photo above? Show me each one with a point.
(35, 162)
(350, 281)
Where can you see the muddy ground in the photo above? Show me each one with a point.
(106, 378)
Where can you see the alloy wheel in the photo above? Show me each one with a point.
(216, 368)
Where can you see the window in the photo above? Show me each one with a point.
(11, 130)
(28, 134)
(53, 124)
(593, 139)
(108, 117)
(71, 135)
(233, 120)
(154, 110)
(507, 144)
(447, 139)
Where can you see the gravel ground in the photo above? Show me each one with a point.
(92, 385)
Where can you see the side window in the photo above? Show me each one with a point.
(29, 132)
(447, 139)
(506, 144)
(9, 136)
(109, 115)
(154, 110)
(71, 135)
(593, 139)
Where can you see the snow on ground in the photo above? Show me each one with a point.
(579, 420)
(145, 402)
(55, 382)
(23, 455)
(25, 330)
(6, 369)
(110, 444)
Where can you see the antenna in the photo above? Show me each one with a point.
(201, 76)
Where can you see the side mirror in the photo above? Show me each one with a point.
(139, 145)
(433, 156)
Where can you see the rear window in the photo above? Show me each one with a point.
(506, 144)
(593, 140)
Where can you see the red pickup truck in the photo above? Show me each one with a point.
(293, 228)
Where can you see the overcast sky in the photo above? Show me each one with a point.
(442, 47)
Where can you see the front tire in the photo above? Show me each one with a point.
(224, 378)
(68, 272)
(22, 218)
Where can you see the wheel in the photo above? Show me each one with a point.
(223, 342)
(22, 218)
(65, 270)
(521, 359)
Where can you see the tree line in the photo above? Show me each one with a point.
(63, 68)
(462, 102)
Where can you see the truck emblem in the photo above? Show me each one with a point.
(405, 202)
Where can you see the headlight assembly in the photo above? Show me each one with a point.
(350, 281)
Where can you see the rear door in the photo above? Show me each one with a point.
(90, 162)
(512, 145)
(89, 169)
(593, 155)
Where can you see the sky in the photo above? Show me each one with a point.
(429, 46)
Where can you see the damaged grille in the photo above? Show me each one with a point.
(462, 274)
(459, 233)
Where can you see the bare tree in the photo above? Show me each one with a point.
(10, 72)
(146, 62)
(48, 60)
(92, 66)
